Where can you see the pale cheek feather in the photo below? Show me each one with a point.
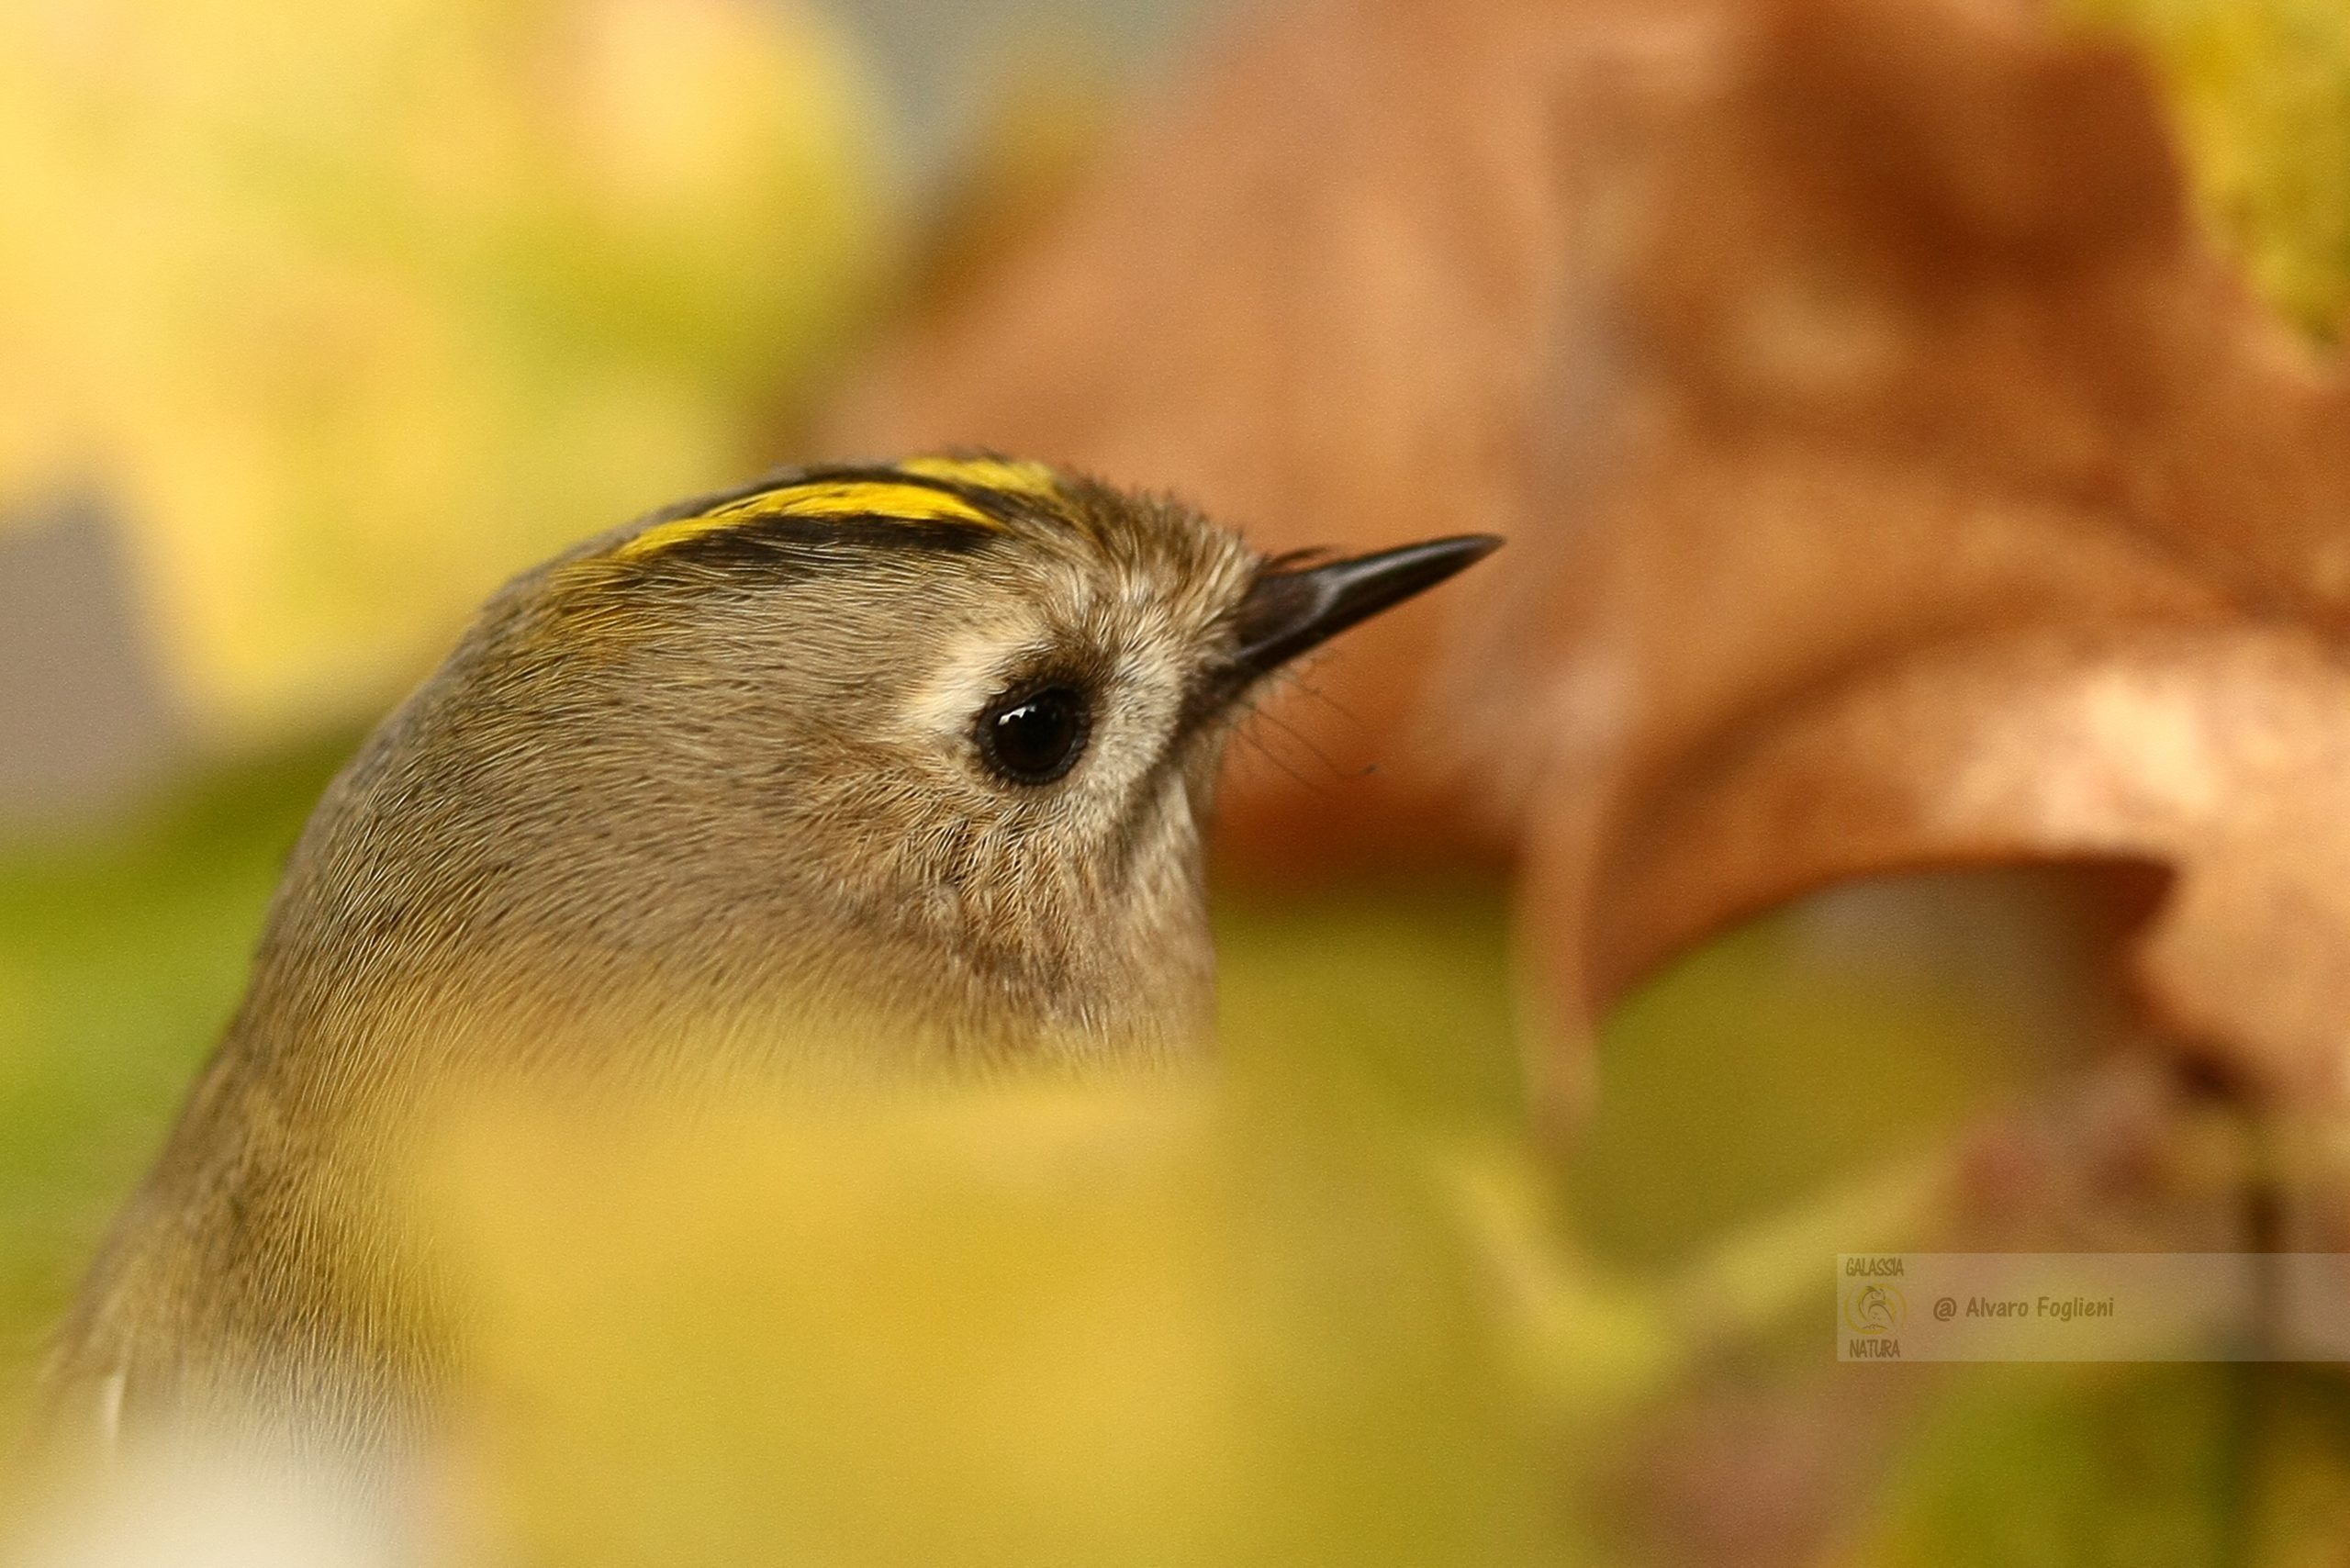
(967, 674)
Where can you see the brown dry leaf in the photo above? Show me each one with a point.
(1895, 475)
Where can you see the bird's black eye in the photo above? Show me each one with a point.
(1035, 734)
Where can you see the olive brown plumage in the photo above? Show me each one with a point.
(853, 773)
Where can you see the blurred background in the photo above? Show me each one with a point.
(316, 323)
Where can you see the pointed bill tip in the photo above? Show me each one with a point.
(1292, 610)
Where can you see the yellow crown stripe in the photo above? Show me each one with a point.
(1008, 475)
(894, 500)
(882, 499)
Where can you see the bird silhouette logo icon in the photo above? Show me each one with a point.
(1875, 1308)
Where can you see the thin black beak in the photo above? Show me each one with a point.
(1292, 609)
(1289, 611)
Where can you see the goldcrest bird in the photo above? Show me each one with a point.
(924, 749)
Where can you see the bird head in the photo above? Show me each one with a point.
(929, 747)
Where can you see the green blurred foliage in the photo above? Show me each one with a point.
(2129, 1466)
(2261, 89)
(1155, 1321)
(1404, 990)
(121, 958)
(1764, 1070)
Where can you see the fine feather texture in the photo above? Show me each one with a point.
(700, 803)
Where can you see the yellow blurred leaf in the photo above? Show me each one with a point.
(2261, 91)
(357, 309)
(1138, 1323)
